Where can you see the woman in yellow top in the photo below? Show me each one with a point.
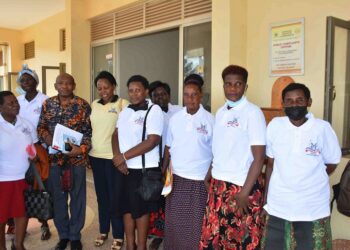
(105, 112)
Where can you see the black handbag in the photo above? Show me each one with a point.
(38, 203)
(151, 185)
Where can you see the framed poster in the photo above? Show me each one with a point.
(287, 48)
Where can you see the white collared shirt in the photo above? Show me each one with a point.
(130, 126)
(31, 110)
(235, 131)
(172, 109)
(14, 140)
(299, 184)
(190, 138)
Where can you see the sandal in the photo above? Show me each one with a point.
(45, 233)
(117, 244)
(101, 240)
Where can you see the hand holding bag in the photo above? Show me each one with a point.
(151, 185)
(38, 203)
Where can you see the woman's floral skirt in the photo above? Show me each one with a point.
(224, 227)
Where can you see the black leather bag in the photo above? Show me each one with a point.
(151, 185)
(38, 203)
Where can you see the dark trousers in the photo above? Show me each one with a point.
(68, 227)
(104, 173)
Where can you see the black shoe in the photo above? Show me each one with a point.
(76, 245)
(62, 244)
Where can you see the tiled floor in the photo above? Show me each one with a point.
(89, 232)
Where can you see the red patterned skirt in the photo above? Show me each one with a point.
(156, 220)
(223, 227)
(12, 199)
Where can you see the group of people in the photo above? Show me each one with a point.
(219, 198)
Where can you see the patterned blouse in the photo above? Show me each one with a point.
(75, 116)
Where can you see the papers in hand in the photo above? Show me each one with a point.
(168, 185)
(62, 135)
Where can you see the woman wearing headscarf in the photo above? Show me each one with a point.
(128, 148)
(31, 103)
(16, 135)
(189, 139)
(104, 115)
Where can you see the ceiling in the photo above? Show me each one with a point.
(19, 14)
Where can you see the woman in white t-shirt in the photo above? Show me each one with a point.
(189, 139)
(104, 115)
(128, 149)
(302, 151)
(232, 218)
(16, 134)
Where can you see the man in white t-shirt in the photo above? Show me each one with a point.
(302, 151)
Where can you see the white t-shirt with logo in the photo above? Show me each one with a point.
(13, 142)
(299, 184)
(235, 131)
(130, 126)
(31, 110)
(190, 138)
(172, 109)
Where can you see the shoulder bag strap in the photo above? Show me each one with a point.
(37, 176)
(143, 137)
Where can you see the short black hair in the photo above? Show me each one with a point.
(158, 84)
(235, 70)
(3, 94)
(194, 79)
(105, 75)
(138, 78)
(295, 86)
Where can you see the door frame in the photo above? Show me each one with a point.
(332, 22)
(61, 68)
(330, 92)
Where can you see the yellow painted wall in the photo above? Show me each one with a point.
(13, 38)
(47, 53)
(229, 39)
(80, 46)
(260, 14)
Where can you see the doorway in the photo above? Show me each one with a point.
(337, 87)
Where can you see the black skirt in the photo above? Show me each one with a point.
(126, 199)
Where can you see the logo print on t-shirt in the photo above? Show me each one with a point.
(139, 121)
(113, 110)
(312, 149)
(233, 123)
(202, 129)
(37, 110)
(26, 131)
